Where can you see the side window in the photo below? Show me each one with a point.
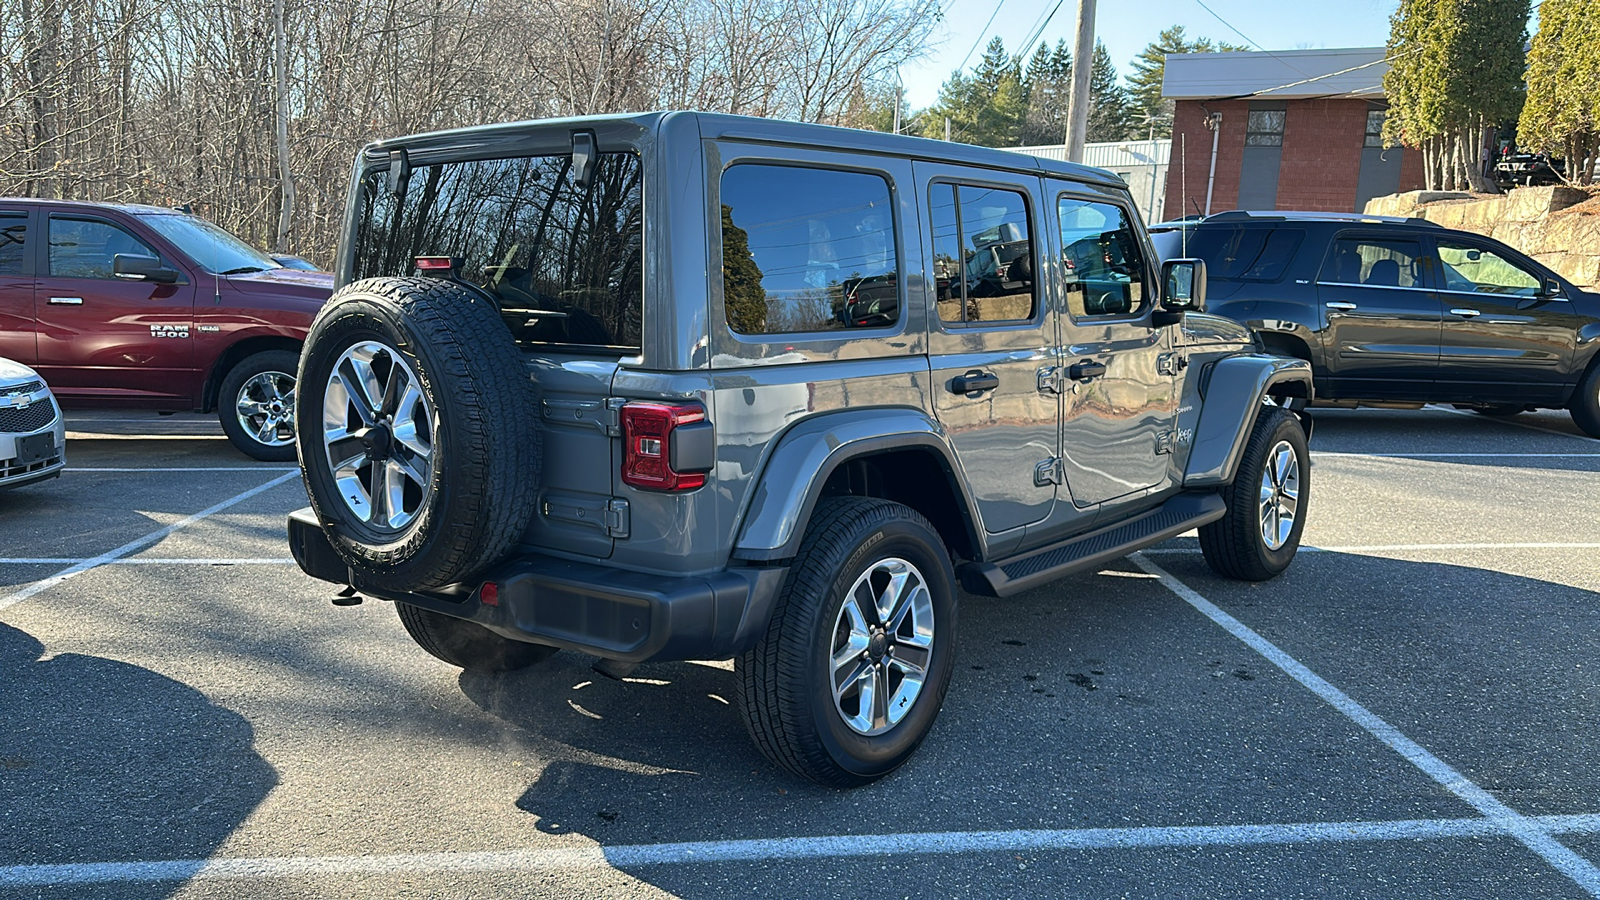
(1101, 258)
(1468, 268)
(982, 254)
(84, 248)
(13, 239)
(1373, 262)
(807, 250)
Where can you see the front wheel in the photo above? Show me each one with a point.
(849, 677)
(1257, 538)
(1585, 404)
(256, 405)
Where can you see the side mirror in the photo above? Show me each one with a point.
(1183, 290)
(142, 268)
(1549, 288)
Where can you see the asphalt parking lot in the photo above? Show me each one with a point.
(1410, 711)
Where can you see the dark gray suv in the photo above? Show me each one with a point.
(686, 386)
(1402, 312)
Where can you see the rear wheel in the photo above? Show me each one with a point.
(1257, 538)
(468, 644)
(849, 678)
(256, 405)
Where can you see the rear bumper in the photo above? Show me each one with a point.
(604, 611)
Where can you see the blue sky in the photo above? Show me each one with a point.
(1127, 26)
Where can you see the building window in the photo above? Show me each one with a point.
(1375, 127)
(1265, 128)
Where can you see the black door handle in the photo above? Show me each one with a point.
(974, 381)
(1083, 371)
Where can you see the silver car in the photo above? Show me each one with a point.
(33, 437)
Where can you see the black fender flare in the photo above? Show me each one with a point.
(1233, 396)
(807, 454)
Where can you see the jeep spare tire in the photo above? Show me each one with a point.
(417, 430)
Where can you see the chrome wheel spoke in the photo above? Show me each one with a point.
(882, 648)
(377, 434)
(1279, 496)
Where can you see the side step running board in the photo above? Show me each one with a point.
(1019, 573)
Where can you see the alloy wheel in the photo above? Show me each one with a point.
(1280, 495)
(378, 432)
(882, 646)
(265, 407)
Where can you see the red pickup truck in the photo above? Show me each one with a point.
(149, 308)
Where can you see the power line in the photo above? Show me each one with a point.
(1247, 37)
(1038, 31)
(985, 31)
(1314, 78)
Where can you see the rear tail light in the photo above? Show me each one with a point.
(489, 594)
(666, 447)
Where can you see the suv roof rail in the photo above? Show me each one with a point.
(1237, 215)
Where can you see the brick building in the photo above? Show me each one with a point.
(1296, 129)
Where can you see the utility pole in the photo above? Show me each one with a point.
(1082, 66)
(898, 90)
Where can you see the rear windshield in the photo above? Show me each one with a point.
(1245, 254)
(564, 262)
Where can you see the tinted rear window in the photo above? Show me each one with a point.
(1245, 254)
(566, 263)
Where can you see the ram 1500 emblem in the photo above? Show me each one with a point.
(169, 331)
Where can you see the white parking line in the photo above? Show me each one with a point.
(624, 856)
(135, 545)
(1514, 422)
(150, 561)
(1398, 548)
(1379, 455)
(1506, 820)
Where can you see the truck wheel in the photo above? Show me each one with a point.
(468, 644)
(418, 438)
(849, 677)
(256, 405)
(1585, 403)
(1258, 537)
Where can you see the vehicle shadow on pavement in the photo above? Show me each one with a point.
(103, 761)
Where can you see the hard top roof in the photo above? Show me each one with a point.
(731, 127)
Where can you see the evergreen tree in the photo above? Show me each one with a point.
(742, 294)
(1110, 117)
(1455, 69)
(985, 108)
(1150, 67)
(1562, 114)
(1049, 85)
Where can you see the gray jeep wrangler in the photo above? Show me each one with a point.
(685, 386)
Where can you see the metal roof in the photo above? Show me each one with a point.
(1276, 75)
(1109, 154)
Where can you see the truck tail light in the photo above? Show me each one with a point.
(666, 446)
